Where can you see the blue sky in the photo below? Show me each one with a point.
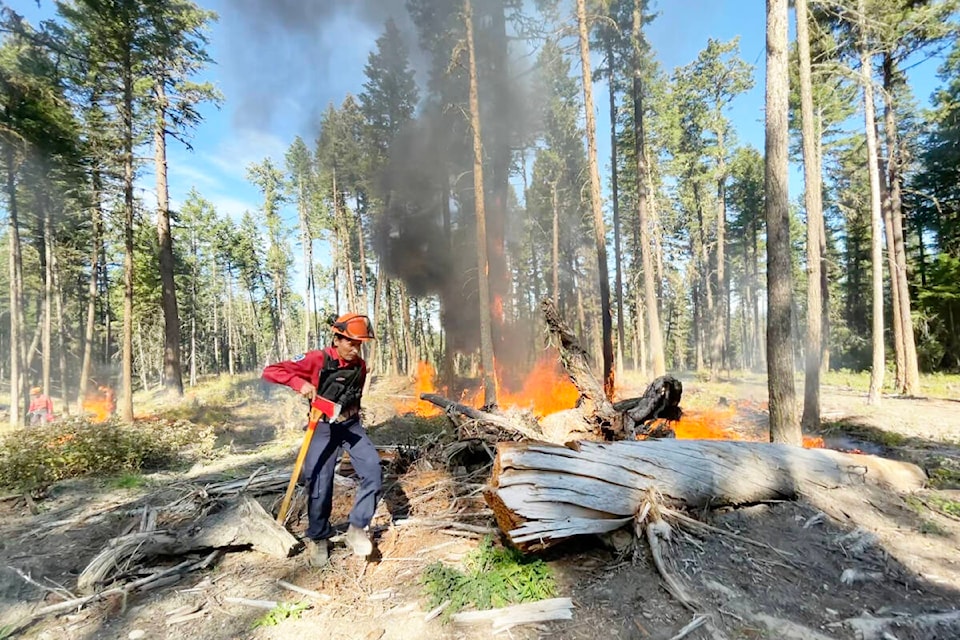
(279, 71)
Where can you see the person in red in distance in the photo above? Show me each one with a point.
(41, 408)
(336, 373)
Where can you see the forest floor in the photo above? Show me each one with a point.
(853, 563)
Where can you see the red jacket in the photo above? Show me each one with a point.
(40, 402)
(306, 367)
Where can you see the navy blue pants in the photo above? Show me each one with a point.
(329, 441)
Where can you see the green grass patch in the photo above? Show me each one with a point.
(36, 457)
(929, 528)
(283, 611)
(127, 480)
(945, 477)
(933, 385)
(492, 577)
(866, 433)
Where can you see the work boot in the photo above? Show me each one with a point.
(317, 552)
(358, 540)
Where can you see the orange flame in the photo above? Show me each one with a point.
(497, 310)
(100, 406)
(424, 383)
(545, 390)
(717, 424)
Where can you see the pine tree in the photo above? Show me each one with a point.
(784, 426)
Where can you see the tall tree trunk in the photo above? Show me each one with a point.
(231, 346)
(172, 376)
(814, 207)
(361, 245)
(718, 339)
(306, 242)
(47, 295)
(217, 338)
(411, 357)
(784, 427)
(899, 349)
(486, 336)
(824, 274)
(876, 216)
(17, 356)
(615, 195)
(96, 216)
(643, 217)
(61, 332)
(555, 246)
(898, 277)
(600, 238)
(126, 405)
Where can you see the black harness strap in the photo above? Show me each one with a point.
(340, 384)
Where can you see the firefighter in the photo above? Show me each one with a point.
(41, 408)
(336, 373)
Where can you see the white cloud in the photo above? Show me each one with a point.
(245, 147)
(230, 206)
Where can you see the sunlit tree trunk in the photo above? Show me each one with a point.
(172, 377)
(898, 276)
(784, 426)
(126, 403)
(814, 207)
(606, 323)
(486, 336)
(96, 228)
(555, 246)
(876, 217)
(17, 359)
(615, 198)
(47, 295)
(61, 333)
(643, 213)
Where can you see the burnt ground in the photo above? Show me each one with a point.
(855, 563)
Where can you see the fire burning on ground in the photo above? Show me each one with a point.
(545, 390)
(721, 423)
(100, 405)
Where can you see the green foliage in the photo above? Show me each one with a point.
(283, 611)
(37, 457)
(127, 480)
(492, 577)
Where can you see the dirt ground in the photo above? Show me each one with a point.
(845, 564)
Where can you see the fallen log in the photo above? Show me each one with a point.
(542, 493)
(241, 523)
(484, 417)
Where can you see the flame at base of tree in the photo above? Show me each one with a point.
(719, 424)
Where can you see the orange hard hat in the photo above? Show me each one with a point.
(353, 326)
(34, 390)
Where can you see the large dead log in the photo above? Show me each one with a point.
(595, 405)
(542, 493)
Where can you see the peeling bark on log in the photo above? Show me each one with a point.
(542, 493)
(593, 400)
